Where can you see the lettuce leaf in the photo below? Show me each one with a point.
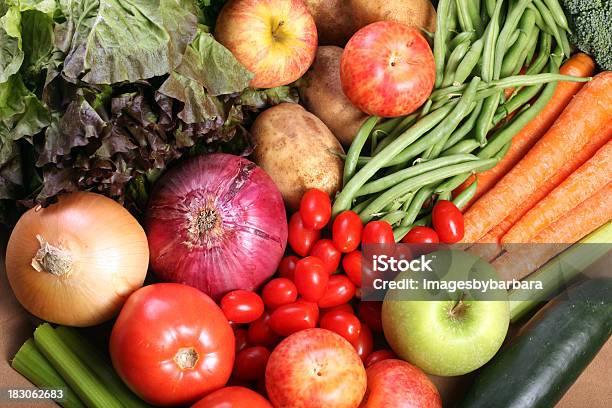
(111, 41)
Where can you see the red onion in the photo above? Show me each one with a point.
(217, 223)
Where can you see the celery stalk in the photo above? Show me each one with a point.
(80, 378)
(560, 270)
(92, 358)
(30, 363)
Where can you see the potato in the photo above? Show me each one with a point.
(321, 92)
(416, 13)
(297, 150)
(333, 20)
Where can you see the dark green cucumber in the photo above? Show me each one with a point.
(552, 349)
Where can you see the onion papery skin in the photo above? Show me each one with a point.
(217, 222)
(109, 259)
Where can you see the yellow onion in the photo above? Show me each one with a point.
(76, 261)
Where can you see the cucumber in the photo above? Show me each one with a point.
(552, 349)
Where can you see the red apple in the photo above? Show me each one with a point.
(387, 69)
(398, 384)
(274, 39)
(315, 368)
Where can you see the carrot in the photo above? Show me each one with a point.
(580, 65)
(580, 185)
(580, 221)
(587, 120)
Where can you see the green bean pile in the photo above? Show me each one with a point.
(395, 169)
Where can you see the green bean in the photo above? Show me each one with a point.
(404, 124)
(521, 98)
(350, 163)
(539, 21)
(510, 60)
(514, 15)
(463, 13)
(462, 147)
(394, 217)
(390, 180)
(543, 53)
(473, 7)
(490, 7)
(415, 206)
(408, 201)
(410, 184)
(455, 181)
(437, 148)
(515, 36)
(467, 64)
(452, 17)
(506, 134)
(490, 44)
(388, 125)
(400, 232)
(526, 80)
(426, 108)
(565, 45)
(422, 222)
(460, 38)
(463, 198)
(443, 129)
(439, 50)
(344, 198)
(453, 62)
(485, 120)
(527, 55)
(445, 196)
(558, 14)
(548, 18)
(465, 128)
(359, 207)
(504, 150)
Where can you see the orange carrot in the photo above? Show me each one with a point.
(580, 185)
(582, 220)
(580, 65)
(586, 121)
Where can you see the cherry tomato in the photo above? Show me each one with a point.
(364, 343)
(370, 314)
(286, 269)
(234, 397)
(250, 363)
(448, 222)
(294, 317)
(242, 306)
(421, 235)
(342, 308)
(339, 290)
(311, 278)
(278, 292)
(301, 238)
(378, 355)
(315, 209)
(345, 324)
(377, 232)
(351, 263)
(241, 336)
(260, 333)
(189, 344)
(328, 254)
(346, 231)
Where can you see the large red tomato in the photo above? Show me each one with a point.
(387, 69)
(233, 397)
(171, 344)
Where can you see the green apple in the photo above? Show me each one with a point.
(447, 335)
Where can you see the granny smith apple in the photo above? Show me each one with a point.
(447, 334)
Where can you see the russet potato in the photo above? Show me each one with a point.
(333, 19)
(416, 13)
(298, 151)
(321, 92)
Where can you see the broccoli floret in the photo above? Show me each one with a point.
(581, 6)
(591, 25)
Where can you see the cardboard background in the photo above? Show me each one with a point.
(593, 388)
